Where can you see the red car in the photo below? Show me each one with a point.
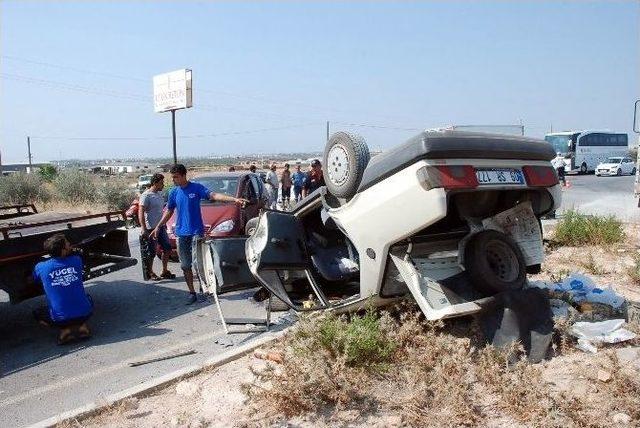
(222, 219)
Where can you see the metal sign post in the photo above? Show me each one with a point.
(173, 130)
(173, 91)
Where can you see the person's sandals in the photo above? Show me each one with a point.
(154, 277)
(65, 336)
(168, 275)
(83, 332)
(192, 299)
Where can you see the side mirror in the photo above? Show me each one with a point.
(636, 117)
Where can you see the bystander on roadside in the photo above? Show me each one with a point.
(185, 198)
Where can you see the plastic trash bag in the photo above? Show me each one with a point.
(591, 333)
(581, 288)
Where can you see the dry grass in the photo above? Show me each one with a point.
(431, 378)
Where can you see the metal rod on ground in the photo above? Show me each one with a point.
(166, 357)
(173, 129)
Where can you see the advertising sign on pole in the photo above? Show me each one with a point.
(172, 91)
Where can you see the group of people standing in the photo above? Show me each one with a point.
(302, 183)
(69, 306)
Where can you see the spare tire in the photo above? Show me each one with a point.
(345, 158)
(495, 262)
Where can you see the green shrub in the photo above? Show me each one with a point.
(116, 195)
(360, 341)
(75, 187)
(22, 189)
(577, 229)
(48, 173)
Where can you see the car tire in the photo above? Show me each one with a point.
(633, 171)
(583, 168)
(495, 262)
(345, 158)
(619, 172)
(251, 226)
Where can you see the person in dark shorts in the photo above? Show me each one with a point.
(150, 213)
(185, 197)
(298, 179)
(68, 305)
(285, 180)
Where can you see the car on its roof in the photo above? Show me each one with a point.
(449, 218)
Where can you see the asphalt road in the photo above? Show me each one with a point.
(137, 320)
(602, 196)
(133, 320)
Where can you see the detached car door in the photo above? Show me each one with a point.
(221, 264)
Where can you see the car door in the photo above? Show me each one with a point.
(628, 163)
(276, 253)
(221, 264)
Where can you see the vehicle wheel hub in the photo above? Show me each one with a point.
(502, 261)
(338, 164)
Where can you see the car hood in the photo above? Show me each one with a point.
(608, 165)
(214, 214)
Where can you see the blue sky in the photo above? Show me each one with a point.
(77, 76)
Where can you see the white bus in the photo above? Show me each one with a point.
(584, 150)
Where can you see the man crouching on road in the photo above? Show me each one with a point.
(185, 197)
(69, 307)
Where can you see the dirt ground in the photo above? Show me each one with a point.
(216, 398)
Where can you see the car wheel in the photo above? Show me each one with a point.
(583, 168)
(251, 226)
(494, 262)
(345, 158)
(633, 171)
(619, 172)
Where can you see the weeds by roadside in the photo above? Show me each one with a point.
(576, 229)
(430, 377)
(634, 271)
(23, 189)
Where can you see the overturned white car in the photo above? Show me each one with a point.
(449, 217)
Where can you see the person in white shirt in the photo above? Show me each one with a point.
(272, 187)
(558, 163)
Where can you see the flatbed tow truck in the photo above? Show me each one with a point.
(100, 239)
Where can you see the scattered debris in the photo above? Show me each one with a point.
(604, 376)
(165, 357)
(276, 357)
(591, 333)
(225, 341)
(578, 288)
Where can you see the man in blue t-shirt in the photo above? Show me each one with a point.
(68, 306)
(298, 179)
(185, 197)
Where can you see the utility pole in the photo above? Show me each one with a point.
(173, 128)
(29, 152)
(327, 130)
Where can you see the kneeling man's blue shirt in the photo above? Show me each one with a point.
(187, 200)
(62, 281)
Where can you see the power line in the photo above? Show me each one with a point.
(217, 92)
(218, 134)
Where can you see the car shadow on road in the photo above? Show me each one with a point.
(123, 311)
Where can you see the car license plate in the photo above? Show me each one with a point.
(495, 176)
